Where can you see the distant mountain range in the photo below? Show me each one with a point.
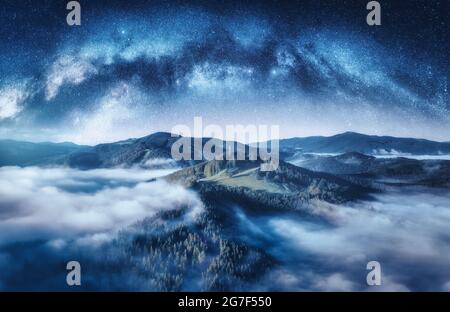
(16, 153)
(365, 144)
(157, 146)
(403, 170)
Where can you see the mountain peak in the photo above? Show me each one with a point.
(350, 134)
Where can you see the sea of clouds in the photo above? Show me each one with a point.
(405, 230)
(64, 203)
(49, 215)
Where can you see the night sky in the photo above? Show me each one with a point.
(136, 67)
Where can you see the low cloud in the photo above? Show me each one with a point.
(64, 204)
(406, 231)
(51, 216)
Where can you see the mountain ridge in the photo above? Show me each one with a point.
(365, 144)
(158, 146)
(429, 172)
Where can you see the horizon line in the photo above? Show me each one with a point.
(196, 137)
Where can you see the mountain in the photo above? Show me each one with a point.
(405, 170)
(16, 153)
(123, 153)
(150, 151)
(287, 188)
(361, 143)
(155, 150)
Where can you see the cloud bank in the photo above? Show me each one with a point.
(65, 204)
(405, 230)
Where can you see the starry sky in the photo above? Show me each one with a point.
(136, 67)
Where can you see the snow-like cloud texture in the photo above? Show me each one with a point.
(56, 214)
(65, 204)
(51, 216)
(405, 230)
